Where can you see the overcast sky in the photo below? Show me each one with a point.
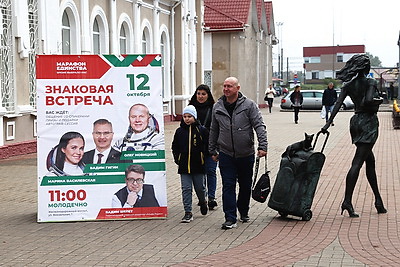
(375, 24)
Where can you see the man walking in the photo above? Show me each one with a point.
(328, 100)
(234, 118)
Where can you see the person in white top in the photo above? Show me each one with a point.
(66, 158)
(269, 96)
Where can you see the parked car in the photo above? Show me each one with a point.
(312, 99)
(278, 90)
(347, 103)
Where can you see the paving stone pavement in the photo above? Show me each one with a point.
(328, 239)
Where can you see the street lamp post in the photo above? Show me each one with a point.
(280, 66)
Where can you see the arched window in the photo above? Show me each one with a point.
(7, 93)
(163, 55)
(96, 37)
(33, 20)
(144, 43)
(66, 34)
(70, 29)
(165, 64)
(123, 42)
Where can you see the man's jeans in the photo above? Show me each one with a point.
(198, 181)
(232, 170)
(211, 168)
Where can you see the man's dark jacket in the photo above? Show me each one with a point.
(113, 157)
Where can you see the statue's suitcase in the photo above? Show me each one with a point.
(296, 182)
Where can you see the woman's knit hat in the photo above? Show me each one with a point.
(190, 110)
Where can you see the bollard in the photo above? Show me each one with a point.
(396, 115)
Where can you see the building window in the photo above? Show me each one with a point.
(35, 127)
(339, 58)
(315, 60)
(208, 78)
(123, 40)
(163, 76)
(144, 43)
(165, 59)
(33, 36)
(96, 37)
(315, 75)
(66, 35)
(10, 130)
(7, 93)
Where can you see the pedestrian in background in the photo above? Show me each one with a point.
(269, 95)
(188, 148)
(329, 98)
(234, 120)
(203, 101)
(297, 100)
(391, 91)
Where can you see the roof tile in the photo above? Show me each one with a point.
(226, 14)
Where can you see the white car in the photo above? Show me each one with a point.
(312, 99)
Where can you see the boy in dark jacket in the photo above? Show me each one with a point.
(188, 148)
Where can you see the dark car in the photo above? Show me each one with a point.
(278, 90)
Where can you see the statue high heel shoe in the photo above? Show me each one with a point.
(379, 206)
(349, 207)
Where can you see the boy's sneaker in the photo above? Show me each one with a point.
(212, 204)
(228, 225)
(244, 219)
(187, 218)
(203, 208)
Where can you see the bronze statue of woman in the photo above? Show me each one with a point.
(364, 126)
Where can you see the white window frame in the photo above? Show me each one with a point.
(315, 60)
(35, 127)
(316, 72)
(147, 41)
(125, 21)
(74, 25)
(165, 54)
(99, 14)
(10, 135)
(65, 30)
(123, 40)
(96, 37)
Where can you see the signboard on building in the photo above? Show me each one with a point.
(108, 105)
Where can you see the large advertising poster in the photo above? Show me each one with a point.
(101, 150)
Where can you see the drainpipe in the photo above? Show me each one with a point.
(173, 57)
(258, 67)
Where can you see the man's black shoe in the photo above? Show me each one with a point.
(212, 204)
(228, 225)
(203, 208)
(244, 219)
(187, 218)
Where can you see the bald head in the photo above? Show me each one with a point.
(231, 89)
(233, 80)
